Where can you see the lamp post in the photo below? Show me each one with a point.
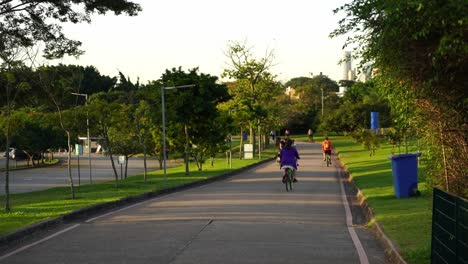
(164, 122)
(87, 132)
(321, 88)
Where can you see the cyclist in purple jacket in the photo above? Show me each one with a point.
(288, 157)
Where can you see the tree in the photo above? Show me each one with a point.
(123, 135)
(209, 139)
(24, 23)
(194, 107)
(243, 66)
(352, 112)
(13, 85)
(304, 113)
(238, 109)
(59, 88)
(35, 134)
(318, 86)
(105, 115)
(419, 48)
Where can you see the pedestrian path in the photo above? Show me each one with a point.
(248, 218)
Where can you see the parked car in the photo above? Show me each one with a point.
(17, 154)
(4, 153)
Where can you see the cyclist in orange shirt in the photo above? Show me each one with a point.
(326, 148)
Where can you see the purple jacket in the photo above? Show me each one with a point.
(289, 157)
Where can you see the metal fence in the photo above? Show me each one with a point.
(449, 229)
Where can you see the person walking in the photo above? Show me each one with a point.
(310, 134)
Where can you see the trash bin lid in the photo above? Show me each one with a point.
(402, 156)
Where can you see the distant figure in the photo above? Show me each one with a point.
(310, 134)
(286, 133)
(326, 148)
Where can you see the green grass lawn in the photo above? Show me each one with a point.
(406, 221)
(30, 208)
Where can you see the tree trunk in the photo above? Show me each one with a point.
(7, 169)
(241, 143)
(160, 159)
(444, 157)
(109, 149)
(251, 132)
(145, 175)
(72, 187)
(186, 151)
(70, 178)
(252, 139)
(126, 166)
(259, 143)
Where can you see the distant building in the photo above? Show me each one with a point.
(291, 92)
(348, 73)
(365, 74)
(342, 91)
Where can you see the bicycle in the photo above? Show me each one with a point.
(328, 160)
(289, 177)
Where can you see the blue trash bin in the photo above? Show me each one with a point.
(405, 174)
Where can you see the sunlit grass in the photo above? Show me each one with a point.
(407, 221)
(33, 207)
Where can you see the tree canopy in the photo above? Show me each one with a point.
(419, 49)
(24, 23)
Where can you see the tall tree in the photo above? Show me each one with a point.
(419, 48)
(251, 71)
(194, 106)
(105, 114)
(143, 117)
(123, 135)
(13, 85)
(58, 88)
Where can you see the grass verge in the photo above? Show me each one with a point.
(33, 207)
(406, 221)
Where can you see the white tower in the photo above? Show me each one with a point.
(347, 66)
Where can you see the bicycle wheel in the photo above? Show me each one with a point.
(328, 161)
(289, 180)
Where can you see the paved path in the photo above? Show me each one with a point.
(40, 178)
(248, 218)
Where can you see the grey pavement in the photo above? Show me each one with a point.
(247, 218)
(40, 178)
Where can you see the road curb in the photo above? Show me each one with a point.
(27, 232)
(391, 250)
(30, 167)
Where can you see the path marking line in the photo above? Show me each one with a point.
(349, 222)
(38, 242)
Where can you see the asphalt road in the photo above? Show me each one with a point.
(248, 218)
(34, 179)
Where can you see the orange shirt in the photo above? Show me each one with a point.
(326, 145)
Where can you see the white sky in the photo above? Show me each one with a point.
(188, 33)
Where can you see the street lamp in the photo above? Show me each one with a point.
(87, 132)
(164, 121)
(321, 88)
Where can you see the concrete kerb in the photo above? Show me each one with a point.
(391, 250)
(22, 234)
